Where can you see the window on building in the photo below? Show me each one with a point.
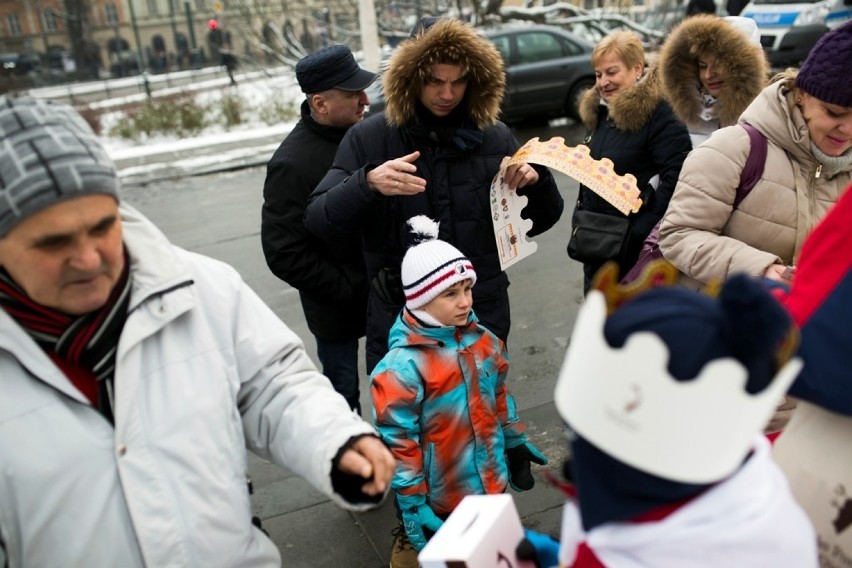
(111, 14)
(14, 25)
(49, 21)
(175, 6)
(153, 9)
(199, 4)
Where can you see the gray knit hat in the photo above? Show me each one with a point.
(827, 72)
(48, 154)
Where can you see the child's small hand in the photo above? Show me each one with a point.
(417, 517)
(540, 548)
(518, 459)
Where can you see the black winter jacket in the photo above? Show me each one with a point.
(331, 280)
(458, 184)
(640, 134)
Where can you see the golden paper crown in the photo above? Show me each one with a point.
(574, 161)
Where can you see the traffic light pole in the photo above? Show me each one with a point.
(196, 60)
(143, 67)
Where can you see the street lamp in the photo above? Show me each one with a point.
(116, 51)
(369, 34)
(142, 67)
(174, 25)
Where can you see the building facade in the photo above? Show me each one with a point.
(116, 34)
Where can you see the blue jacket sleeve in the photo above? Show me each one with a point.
(513, 429)
(545, 204)
(396, 401)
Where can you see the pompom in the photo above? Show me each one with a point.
(422, 229)
(759, 325)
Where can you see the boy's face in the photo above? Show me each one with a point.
(452, 306)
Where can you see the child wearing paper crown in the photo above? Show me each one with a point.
(665, 399)
(439, 395)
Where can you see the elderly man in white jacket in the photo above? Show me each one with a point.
(135, 374)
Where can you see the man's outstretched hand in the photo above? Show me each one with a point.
(369, 458)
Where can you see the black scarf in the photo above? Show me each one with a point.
(89, 341)
(454, 130)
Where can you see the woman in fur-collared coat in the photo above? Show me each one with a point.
(631, 124)
(710, 70)
(434, 151)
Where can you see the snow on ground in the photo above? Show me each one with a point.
(215, 143)
(214, 137)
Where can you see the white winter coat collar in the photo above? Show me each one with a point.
(154, 266)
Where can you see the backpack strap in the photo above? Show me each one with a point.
(755, 164)
(751, 173)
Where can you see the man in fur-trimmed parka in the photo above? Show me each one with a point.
(434, 151)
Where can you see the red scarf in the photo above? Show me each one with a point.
(83, 347)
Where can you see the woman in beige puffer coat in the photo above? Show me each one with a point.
(808, 165)
(806, 118)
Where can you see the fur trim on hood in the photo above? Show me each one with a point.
(630, 109)
(451, 42)
(742, 63)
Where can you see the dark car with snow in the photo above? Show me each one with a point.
(547, 72)
(17, 64)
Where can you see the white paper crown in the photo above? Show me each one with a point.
(625, 402)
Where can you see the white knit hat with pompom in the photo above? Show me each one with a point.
(431, 266)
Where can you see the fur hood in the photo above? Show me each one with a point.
(453, 42)
(743, 64)
(630, 110)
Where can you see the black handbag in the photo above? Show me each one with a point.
(597, 237)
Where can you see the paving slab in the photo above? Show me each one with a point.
(322, 536)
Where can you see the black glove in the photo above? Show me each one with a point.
(644, 224)
(519, 458)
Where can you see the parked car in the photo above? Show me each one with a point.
(547, 72)
(17, 64)
(789, 29)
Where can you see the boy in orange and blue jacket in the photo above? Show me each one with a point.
(439, 396)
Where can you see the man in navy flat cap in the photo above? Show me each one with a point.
(331, 280)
